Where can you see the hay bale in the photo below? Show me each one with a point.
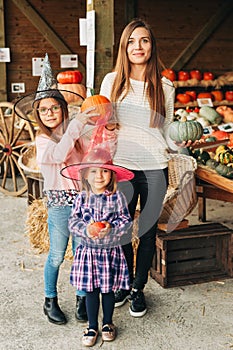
(37, 228)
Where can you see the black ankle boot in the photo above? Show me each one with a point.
(81, 312)
(53, 311)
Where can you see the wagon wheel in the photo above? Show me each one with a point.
(14, 134)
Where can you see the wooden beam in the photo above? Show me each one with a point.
(43, 27)
(202, 36)
(3, 84)
(104, 30)
(131, 10)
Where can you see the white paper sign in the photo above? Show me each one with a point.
(37, 65)
(91, 30)
(90, 71)
(69, 61)
(83, 31)
(17, 87)
(5, 54)
(204, 102)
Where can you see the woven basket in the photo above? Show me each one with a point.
(27, 159)
(181, 197)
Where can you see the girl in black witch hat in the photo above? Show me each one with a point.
(59, 142)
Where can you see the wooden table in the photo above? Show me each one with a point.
(213, 186)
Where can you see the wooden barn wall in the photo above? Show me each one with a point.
(175, 23)
(26, 42)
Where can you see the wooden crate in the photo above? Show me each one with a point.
(199, 253)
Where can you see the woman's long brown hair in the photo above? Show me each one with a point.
(153, 75)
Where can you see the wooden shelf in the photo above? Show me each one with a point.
(194, 104)
(215, 179)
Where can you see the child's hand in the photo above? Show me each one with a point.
(86, 116)
(98, 229)
(105, 231)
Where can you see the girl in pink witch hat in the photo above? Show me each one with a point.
(100, 217)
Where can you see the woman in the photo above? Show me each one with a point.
(144, 105)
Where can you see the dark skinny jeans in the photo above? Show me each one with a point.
(150, 186)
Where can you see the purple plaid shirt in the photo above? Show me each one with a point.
(100, 263)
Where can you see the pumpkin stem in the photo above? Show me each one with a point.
(183, 119)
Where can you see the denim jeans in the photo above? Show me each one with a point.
(59, 237)
(150, 186)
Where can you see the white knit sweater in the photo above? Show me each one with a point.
(140, 147)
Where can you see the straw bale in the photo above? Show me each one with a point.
(37, 228)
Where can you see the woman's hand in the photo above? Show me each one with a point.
(86, 116)
(186, 144)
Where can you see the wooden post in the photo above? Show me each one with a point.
(3, 87)
(104, 31)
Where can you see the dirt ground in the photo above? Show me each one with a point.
(193, 317)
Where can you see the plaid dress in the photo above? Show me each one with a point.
(100, 263)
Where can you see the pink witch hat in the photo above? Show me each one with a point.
(99, 158)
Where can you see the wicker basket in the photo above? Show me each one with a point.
(27, 159)
(181, 197)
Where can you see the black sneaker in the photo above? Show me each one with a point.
(138, 304)
(121, 296)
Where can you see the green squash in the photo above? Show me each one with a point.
(211, 163)
(201, 156)
(210, 139)
(210, 114)
(184, 130)
(224, 170)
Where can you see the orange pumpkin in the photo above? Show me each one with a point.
(70, 77)
(218, 95)
(67, 89)
(102, 106)
(220, 134)
(169, 74)
(226, 112)
(205, 95)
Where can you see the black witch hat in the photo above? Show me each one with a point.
(47, 88)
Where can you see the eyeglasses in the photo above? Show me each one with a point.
(45, 110)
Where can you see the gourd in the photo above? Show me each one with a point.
(67, 89)
(210, 139)
(203, 121)
(201, 156)
(210, 114)
(183, 130)
(181, 113)
(102, 106)
(70, 77)
(221, 148)
(225, 157)
(211, 163)
(224, 170)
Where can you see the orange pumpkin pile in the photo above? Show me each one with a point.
(69, 82)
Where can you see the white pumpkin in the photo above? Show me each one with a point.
(203, 121)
